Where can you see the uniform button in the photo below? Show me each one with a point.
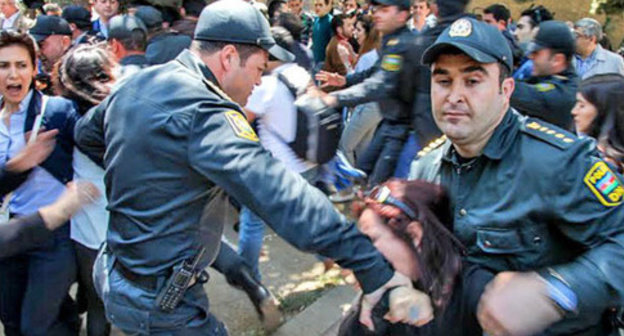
(537, 240)
(463, 212)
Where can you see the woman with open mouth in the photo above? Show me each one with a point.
(35, 164)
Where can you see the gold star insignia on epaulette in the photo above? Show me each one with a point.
(544, 129)
(218, 91)
(392, 42)
(432, 145)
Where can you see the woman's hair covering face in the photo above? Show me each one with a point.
(84, 73)
(439, 252)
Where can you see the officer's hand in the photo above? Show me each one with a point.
(370, 300)
(410, 306)
(330, 79)
(516, 304)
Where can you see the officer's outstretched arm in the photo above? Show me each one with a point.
(382, 83)
(225, 149)
(543, 101)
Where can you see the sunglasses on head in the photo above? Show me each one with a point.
(381, 194)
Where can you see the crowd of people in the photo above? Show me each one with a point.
(491, 149)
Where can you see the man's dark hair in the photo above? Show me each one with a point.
(193, 8)
(499, 11)
(337, 21)
(449, 8)
(537, 14)
(273, 7)
(292, 23)
(282, 38)
(137, 41)
(211, 47)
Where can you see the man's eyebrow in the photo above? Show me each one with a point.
(438, 71)
(474, 68)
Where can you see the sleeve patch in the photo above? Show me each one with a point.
(240, 126)
(392, 62)
(545, 87)
(604, 184)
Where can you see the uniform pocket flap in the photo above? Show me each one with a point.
(500, 241)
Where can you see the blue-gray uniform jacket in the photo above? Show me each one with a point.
(538, 197)
(169, 137)
(389, 82)
(550, 98)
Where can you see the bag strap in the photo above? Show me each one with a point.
(33, 136)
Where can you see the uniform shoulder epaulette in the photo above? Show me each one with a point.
(548, 133)
(220, 92)
(432, 145)
(561, 77)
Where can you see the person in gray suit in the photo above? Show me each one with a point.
(12, 17)
(591, 58)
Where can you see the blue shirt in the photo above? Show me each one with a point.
(321, 34)
(41, 188)
(582, 65)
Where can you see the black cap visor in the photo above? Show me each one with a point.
(39, 37)
(281, 54)
(434, 51)
(534, 47)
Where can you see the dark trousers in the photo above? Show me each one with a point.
(34, 296)
(97, 325)
(380, 158)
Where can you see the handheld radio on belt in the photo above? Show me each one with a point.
(170, 296)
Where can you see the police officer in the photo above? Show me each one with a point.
(392, 84)
(163, 45)
(550, 93)
(172, 138)
(539, 212)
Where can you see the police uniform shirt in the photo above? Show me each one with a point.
(168, 138)
(550, 98)
(537, 197)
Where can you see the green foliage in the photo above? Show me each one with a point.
(611, 7)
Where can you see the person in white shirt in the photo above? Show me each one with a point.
(272, 104)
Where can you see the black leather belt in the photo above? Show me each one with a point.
(149, 282)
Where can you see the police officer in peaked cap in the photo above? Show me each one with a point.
(539, 212)
(173, 140)
(392, 84)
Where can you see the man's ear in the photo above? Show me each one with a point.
(508, 87)
(229, 57)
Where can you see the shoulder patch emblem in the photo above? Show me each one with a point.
(460, 28)
(240, 126)
(392, 62)
(604, 184)
(392, 42)
(432, 145)
(545, 87)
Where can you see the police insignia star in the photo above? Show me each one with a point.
(391, 62)
(460, 28)
(604, 184)
(240, 126)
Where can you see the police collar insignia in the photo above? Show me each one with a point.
(461, 28)
(604, 184)
(240, 126)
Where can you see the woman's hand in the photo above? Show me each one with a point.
(330, 79)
